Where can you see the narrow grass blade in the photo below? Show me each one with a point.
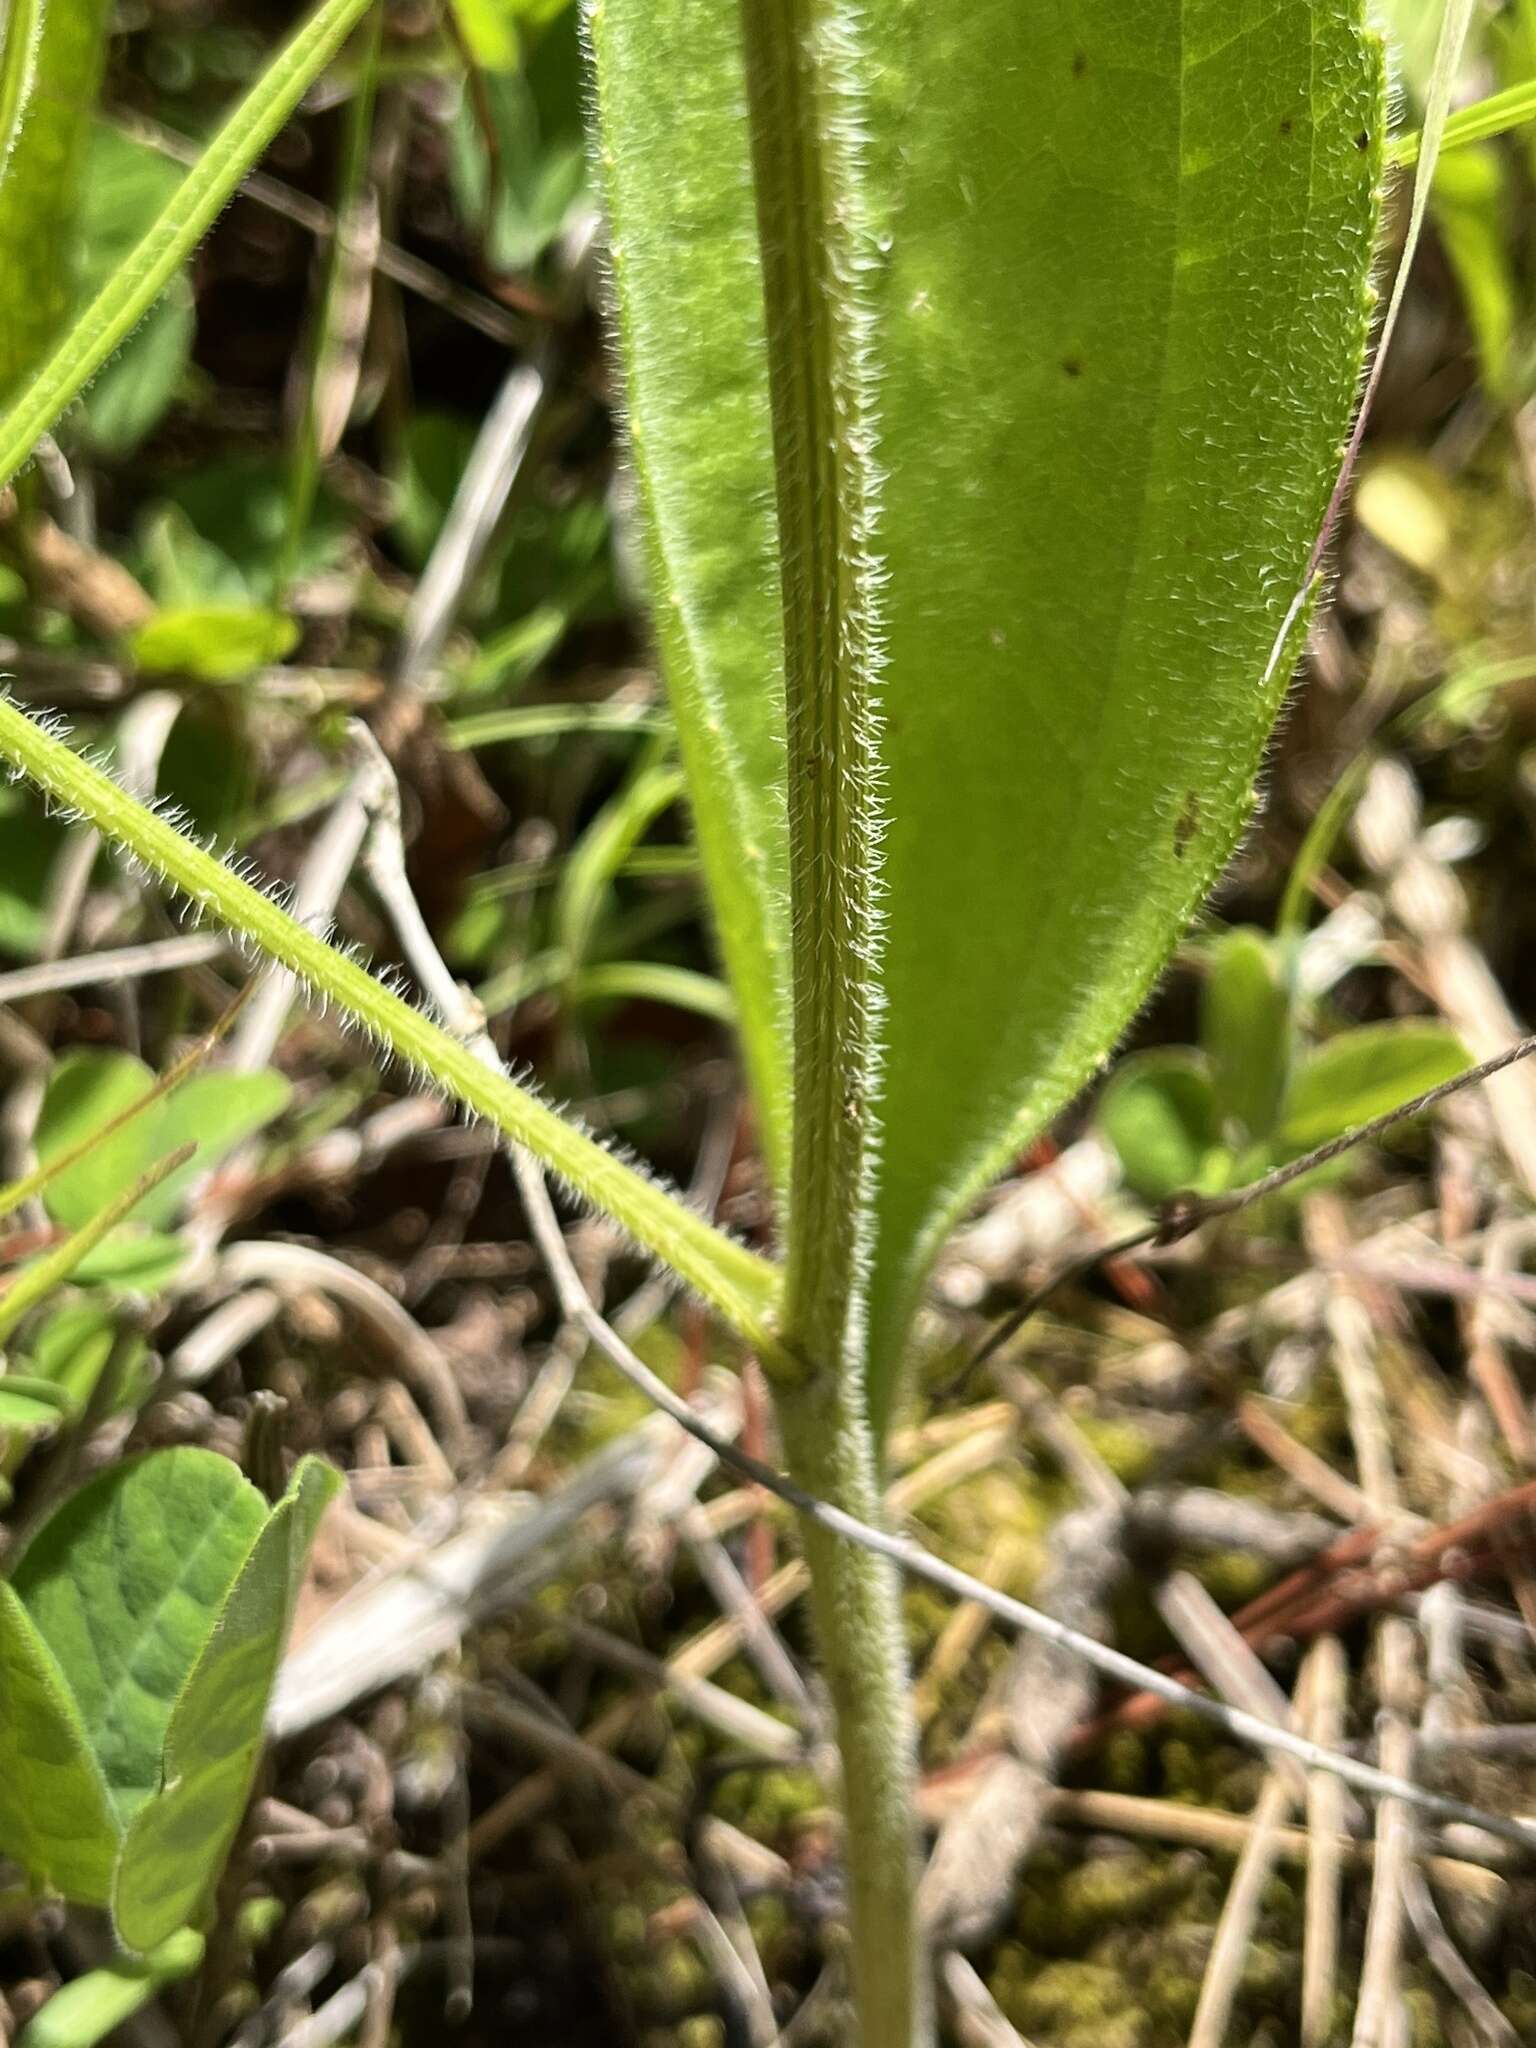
(128, 294)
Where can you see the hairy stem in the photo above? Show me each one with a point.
(856, 1604)
(803, 69)
(743, 1287)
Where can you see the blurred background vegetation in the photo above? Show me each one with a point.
(361, 463)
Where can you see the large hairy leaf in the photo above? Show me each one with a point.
(1115, 297)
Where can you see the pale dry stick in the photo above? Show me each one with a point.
(961, 1635)
(1240, 1909)
(538, 1408)
(1045, 1695)
(1487, 1325)
(1446, 1960)
(393, 262)
(757, 1866)
(1326, 1818)
(118, 964)
(292, 1269)
(505, 436)
(1224, 1834)
(1314, 1475)
(734, 1597)
(738, 1720)
(407, 1429)
(1352, 1335)
(1202, 1518)
(1431, 904)
(323, 876)
(739, 1970)
(224, 1331)
(978, 2019)
(1380, 2017)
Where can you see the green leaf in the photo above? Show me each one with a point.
(55, 1816)
(45, 1274)
(126, 184)
(676, 182)
(602, 850)
(28, 846)
(1245, 1028)
(654, 981)
(71, 1348)
(176, 1845)
(133, 1261)
(90, 2007)
(524, 200)
(87, 1088)
(1159, 1113)
(1112, 296)
(29, 1406)
(124, 1583)
(51, 54)
(215, 642)
(139, 1639)
(1472, 204)
(1362, 1074)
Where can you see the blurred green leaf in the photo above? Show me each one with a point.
(51, 56)
(126, 185)
(216, 643)
(1363, 1074)
(1470, 207)
(523, 201)
(1245, 1029)
(133, 1260)
(91, 2006)
(29, 1406)
(29, 843)
(70, 1350)
(215, 1111)
(1159, 1113)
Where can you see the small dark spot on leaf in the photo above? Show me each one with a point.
(1286, 125)
(1363, 139)
(1071, 366)
(1079, 63)
(1187, 826)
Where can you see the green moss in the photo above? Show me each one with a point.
(1125, 1449)
(1065, 1908)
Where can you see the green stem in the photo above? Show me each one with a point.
(742, 1286)
(856, 1608)
(803, 68)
